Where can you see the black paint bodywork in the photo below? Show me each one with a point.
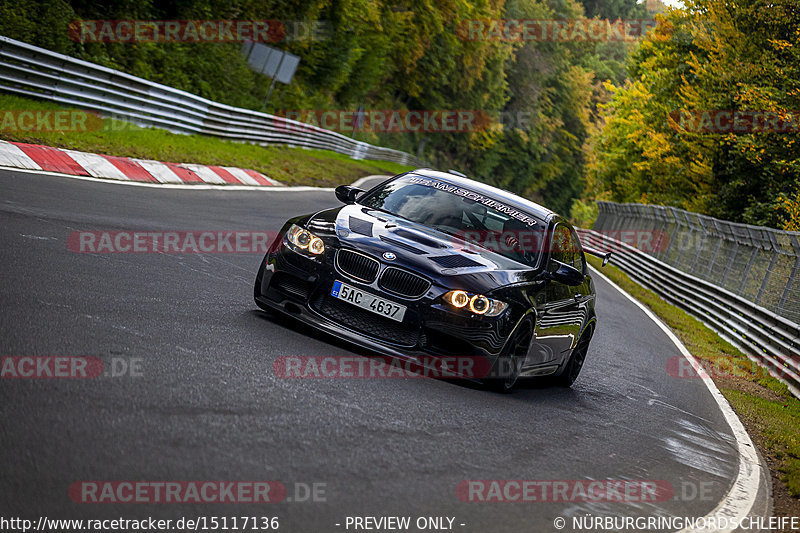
(300, 286)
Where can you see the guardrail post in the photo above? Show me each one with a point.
(726, 239)
(700, 248)
(665, 255)
(698, 233)
(686, 241)
(790, 282)
(747, 269)
(651, 220)
(661, 220)
(729, 263)
(764, 281)
(709, 248)
(710, 268)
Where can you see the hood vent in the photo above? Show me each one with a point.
(401, 244)
(362, 227)
(455, 261)
(418, 237)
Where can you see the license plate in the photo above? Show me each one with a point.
(368, 301)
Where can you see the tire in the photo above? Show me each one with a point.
(576, 360)
(509, 363)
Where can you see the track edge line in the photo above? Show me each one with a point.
(751, 478)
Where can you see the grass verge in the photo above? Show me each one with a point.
(292, 166)
(765, 406)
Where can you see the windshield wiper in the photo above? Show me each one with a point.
(441, 228)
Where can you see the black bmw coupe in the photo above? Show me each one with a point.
(431, 264)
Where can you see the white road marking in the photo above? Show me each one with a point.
(739, 502)
(242, 176)
(171, 186)
(159, 171)
(96, 165)
(13, 156)
(205, 173)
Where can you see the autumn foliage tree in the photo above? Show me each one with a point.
(669, 137)
(543, 95)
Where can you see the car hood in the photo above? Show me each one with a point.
(446, 259)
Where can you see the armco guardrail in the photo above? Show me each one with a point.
(769, 339)
(35, 72)
(762, 265)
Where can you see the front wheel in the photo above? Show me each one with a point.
(576, 360)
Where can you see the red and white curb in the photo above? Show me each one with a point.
(49, 159)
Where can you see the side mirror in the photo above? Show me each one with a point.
(347, 194)
(565, 274)
(605, 256)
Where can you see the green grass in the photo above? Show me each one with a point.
(292, 166)
(778, 422)
(765, 405)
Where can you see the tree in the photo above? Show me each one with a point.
(665, 140)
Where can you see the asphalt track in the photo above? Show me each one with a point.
(208, 405)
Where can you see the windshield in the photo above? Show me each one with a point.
(462, 214)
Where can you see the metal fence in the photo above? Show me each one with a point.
(740, 280)
(761, 265)
(35, 72)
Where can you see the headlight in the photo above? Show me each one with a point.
(305, 241)
(479, 304)
(458, 298)
(476, 303)
(315, 246)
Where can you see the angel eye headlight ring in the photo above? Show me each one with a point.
(475, 303)
(304, 241)
(459, 299)
(315, 246)
(479, 304)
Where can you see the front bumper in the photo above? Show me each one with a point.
(300, 286)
